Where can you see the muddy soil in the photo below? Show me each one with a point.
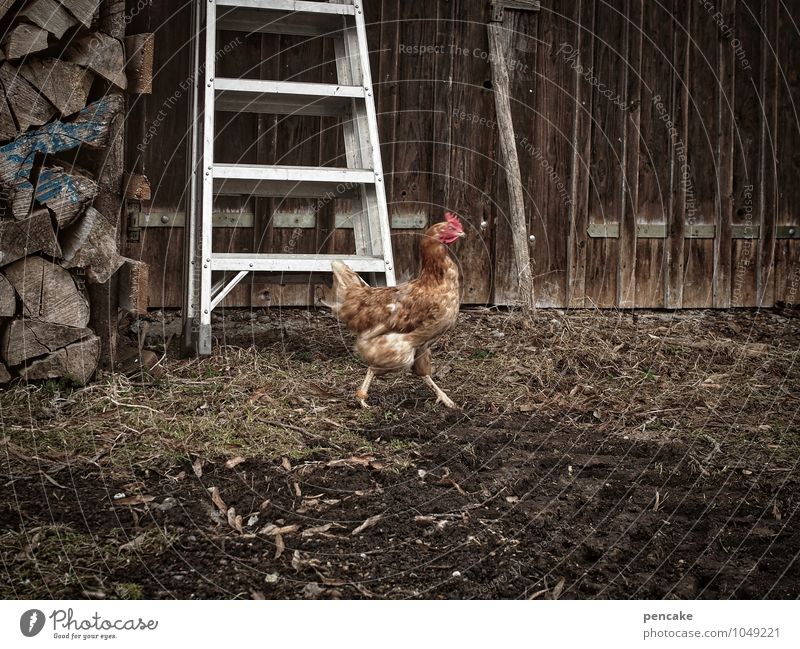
(529, 499)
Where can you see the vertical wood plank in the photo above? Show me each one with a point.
(680, 175)
(726, 101)
(413, 152)
(470, 165)
(787, 254)
(605, 193)
(634, 34)
(547, 153)
(765, 276)
(581, 156)
(702, 196)
(658, 130)
(748, 115)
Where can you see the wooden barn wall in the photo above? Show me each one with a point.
(638, 123)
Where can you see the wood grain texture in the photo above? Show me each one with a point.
(48, 292)
(8, 298)
(703, 193)
(748, 115)
(77, 362)
(66, 85)
(25, 338)
(787, 251)
(49, 15)
(28, 236)
(24, 39)
(606, 189)
(626, 273)
(726, 99)
(768, 171)
(500, 50)
(581, 157)
(659, 135)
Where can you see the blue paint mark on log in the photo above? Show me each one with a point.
(90, 127)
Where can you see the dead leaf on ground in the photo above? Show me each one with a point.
(286, 464)
(300, 563)
(217, 500)
(370, 522)
(134, 543)
(234, 462)
(139, 499)
(280, 546)
(358, 460)
(197, 467)
(319, 529)
(273, 530)
(235, 520)
(558, 589)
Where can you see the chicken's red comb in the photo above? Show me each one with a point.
(452, 218)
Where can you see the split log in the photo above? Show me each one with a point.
(8, 299)
(77, 362)
(49, 15)
(5, 5)
(97, 252)
(24, 40)
(27, 104)
(8, 127)
(65, 194)
(48, 292)
(66, 85)
(91, 127)
(101, 54)
(21, 238)
(136, 186)
(140, 50)
(83, 10)
(5, 377)
(24, 339)
(134, 282)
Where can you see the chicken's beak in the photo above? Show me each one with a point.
(462, 235)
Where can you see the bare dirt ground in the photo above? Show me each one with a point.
(597, 455)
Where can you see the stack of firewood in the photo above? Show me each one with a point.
(58, 107)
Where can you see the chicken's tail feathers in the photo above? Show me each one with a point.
(344, 278)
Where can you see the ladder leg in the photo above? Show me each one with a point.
(204, 332)
(371, 224)
(191, 274)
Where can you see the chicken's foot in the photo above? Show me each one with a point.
(441, 397)
(361, 393)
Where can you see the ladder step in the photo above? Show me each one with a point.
(289, 181)
(248, 261)
(285, 97)
(295, 17)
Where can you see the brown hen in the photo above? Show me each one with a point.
(397, 325)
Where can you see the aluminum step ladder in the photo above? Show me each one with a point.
(362, 179)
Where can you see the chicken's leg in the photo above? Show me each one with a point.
(361, 393)
(440, 394)
(422, 367)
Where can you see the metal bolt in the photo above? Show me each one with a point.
(251, 265)
(792, 231)
(484, 225)
(532, 238)
(164, 218)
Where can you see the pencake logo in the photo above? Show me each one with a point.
(31, 622)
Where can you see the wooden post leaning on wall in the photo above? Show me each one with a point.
(499, 47)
